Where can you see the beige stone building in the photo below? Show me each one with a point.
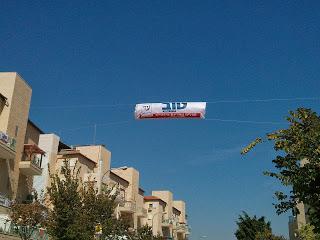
(31, 162)
(298, 221)
(132, 206)
(27, 154)
(181, 229)
(156, 208)
(102, 158)
(15, 159)
(166, 216)
(301, 219)
(75, 160)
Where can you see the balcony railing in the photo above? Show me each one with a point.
(4, 201)
(9, 228)
(36, 161)
(31, 167)
(119, 198)
(9, 141)
(31, 161)
(167, 221)
(181, 227)
(142, 212)
(127, 206)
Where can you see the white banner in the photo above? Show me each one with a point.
(170, 110)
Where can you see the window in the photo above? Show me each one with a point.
(16, 131)
(72, 162)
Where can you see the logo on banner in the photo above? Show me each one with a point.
(174, 106)
(146, 108)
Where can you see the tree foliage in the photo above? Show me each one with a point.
(307, 233)
(79, 212)
(267, 235)
(250, 227)
(28, 217)
(66, 206)
(297, 163)
(145, 233)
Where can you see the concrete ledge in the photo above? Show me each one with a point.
(8, 237)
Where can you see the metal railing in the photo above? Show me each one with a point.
(167, 221)
(4, 201)
(9, 228)
(9, 141)
(128, 205)
(119, 198)
(37, 161)
(142, 211)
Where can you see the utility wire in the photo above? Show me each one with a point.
(83, 106)
(207, 119)
(241, 121)
(267, 100)
(209, 102)
(92, 126)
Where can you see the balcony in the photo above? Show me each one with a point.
(181, 227)
(166, 222)
(7, 146)
(31, 161)
(127, 206)
(142, 212)
(4, 201)
(119, 199)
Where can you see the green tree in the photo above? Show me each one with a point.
(79, 212)
(28, 217)
(267, 235)
(145, 233)
(250, 227)
(98, 209)
(307, 233)
(66, 206)
(297, 163)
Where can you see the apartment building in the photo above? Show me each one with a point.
(131, 208)
(50, 143)
(166, 216)
(181, 228)
(102, 158)
(118, 185)
(15, 95)
(300, 219)
(31, 162)
(156, 208)
(28, 155)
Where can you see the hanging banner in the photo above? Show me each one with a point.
(170, 110)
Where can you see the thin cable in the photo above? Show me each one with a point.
(92, 125)
(266, 100)
(209, 102)
(112, 123)
(241, 121)
(83, 106)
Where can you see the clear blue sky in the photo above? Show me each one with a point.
(110, 52)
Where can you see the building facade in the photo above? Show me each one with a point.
(15, 96)
(28, 155)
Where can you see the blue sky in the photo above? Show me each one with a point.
(76, 53)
